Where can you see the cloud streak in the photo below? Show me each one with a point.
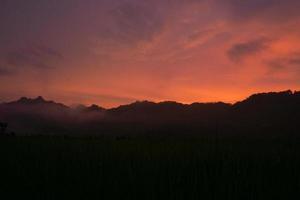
(275, 11)
(38, 57)
(4, 72)
(242, 50)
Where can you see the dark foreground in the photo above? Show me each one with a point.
(150, 168)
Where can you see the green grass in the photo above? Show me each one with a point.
(150, 168)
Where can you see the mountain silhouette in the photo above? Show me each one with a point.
(169, 110)
(38, 100)
(270, 99)
(25, 102)
(40, 116)
(279, 106)
(92, 108)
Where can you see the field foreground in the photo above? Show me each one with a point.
(42, 167)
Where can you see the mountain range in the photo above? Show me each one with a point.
(40, 116)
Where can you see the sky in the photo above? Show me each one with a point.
(113, 52)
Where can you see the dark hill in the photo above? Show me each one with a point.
(278, 106)
(38, 104)
(39, 116)
(88, 109)
(168, 111)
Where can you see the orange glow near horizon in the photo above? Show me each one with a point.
(113, 53)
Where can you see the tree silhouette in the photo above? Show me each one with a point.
(3, 127)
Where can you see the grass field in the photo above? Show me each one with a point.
(150, 168)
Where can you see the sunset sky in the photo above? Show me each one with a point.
(113, 52)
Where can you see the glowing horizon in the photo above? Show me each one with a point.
(114, 52)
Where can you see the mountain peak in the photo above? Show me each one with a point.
(26, 100)
(36, 102)
(269, 97)
(40, 98)
(94, 107)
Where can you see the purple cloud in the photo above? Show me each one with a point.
(271, 10)
(241, 50)
(4, 71)
(39, 57)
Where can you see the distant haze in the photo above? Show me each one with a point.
(266, 110)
